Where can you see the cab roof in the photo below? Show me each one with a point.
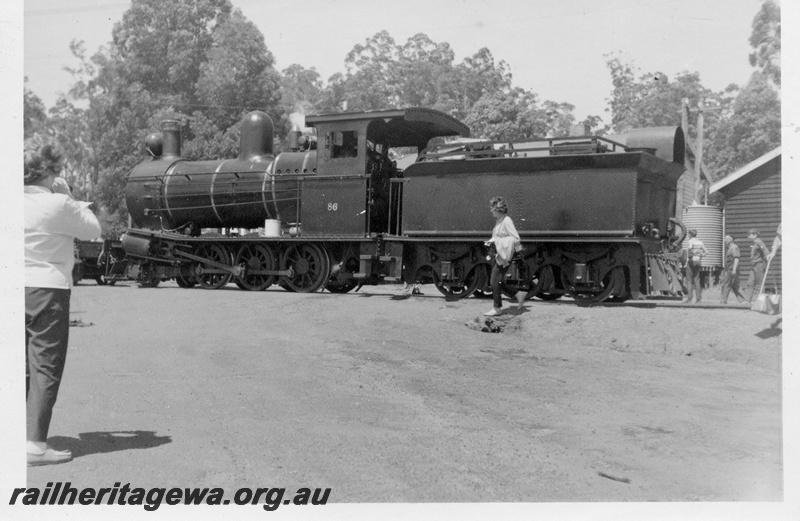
(413, 126)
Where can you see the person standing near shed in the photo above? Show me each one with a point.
(696, 250)
(758, 259)
(53, 220)
(776, 244)
(730, 277)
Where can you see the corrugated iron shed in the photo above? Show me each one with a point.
(753, 200)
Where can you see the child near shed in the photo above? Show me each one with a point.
(697, 250)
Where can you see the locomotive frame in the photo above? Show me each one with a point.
(594, 214)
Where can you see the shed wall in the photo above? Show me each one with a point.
(754, 201)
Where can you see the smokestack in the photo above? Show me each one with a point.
(171, 130)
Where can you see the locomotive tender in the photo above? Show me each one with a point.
(594, 214)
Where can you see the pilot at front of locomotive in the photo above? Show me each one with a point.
(505, 242)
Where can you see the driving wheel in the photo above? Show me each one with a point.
(310, 267)
(209, 276)
(257, 259)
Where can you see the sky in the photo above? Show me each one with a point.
(555, 49)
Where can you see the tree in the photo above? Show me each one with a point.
(370, 71)
(237, 75)
(508, 116)
(301, 94)
(753, 125)
(752, 130)
(421, 71)
(165, 59)
(475, 77)
(34, 113)
(163, 45)
(382, 74)
(766, 41)
(301, 89)
(559, 118)
(652, 100)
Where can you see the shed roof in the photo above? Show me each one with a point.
(746, 169)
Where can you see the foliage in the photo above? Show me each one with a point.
(162, 46)
(34, 114)
(747, 122)
(301, 94)
(507, 116)
(422, 71)
(652, 100)
(475, 77)
(237, 75)
(165, 59)
(753, 128)
(370, 73)
(766, 41)
(383, 74)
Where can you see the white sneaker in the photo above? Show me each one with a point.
(49, 457)
(493, 313)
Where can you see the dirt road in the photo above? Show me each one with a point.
(387, 400)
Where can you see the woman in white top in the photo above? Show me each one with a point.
(506, 241)
(53, 220)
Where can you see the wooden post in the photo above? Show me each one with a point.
(685, 127)
(698, 165)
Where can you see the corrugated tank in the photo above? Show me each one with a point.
(707, 220)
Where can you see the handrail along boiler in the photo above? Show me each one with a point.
(595, 215)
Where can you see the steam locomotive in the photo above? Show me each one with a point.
(595, 215)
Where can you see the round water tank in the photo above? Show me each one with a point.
(707, 220)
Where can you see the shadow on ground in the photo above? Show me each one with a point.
(100, 442)
(772, 331)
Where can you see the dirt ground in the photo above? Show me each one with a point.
(385, 399)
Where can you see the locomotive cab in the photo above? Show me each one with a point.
(354, 152)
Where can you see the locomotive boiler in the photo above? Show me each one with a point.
(595, 215)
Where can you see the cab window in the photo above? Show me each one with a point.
(343, 144)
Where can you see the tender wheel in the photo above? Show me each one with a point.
(543, 280)
(526, 284)
(613, 282)
(471, 283)
(256, 258)
(212, 277)
(484, 289)
(620, 293)
(310, 267)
